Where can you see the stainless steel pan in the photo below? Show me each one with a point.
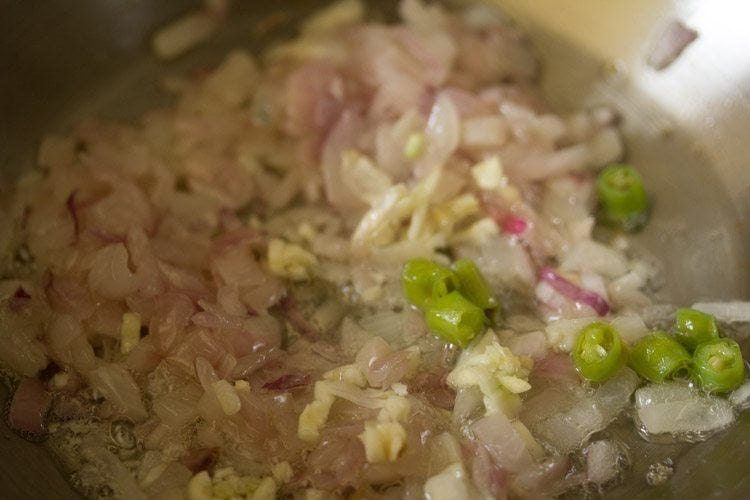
(686, 128)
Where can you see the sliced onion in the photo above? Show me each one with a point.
(29, 408)
(574, 292)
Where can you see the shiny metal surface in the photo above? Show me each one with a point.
(685, 128)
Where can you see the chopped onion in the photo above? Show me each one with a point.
(503, 441)
(28, 408)
(684, 413)
(740, 397)
(726, 311)
(602, 459)
(574, 292)
(118, 387)
(566, 430)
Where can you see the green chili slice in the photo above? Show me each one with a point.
(424, 280)
(658, 357)
(718, 365)
(474, 287)
(454, 318)
(622, 196)
(694, 328)
(598, 352)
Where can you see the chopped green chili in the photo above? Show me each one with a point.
(718, 365)
(694, 328)
(658, 357)
(598, 352)
(424, 280)
(622, 196)
(454, 318)
(474, 287)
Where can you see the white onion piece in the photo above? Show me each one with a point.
(442, 135)
(630, 327)
(484, 132)
(341, 137)
(726, 311)
(237, 266)
(531, 344)
(119, 388)
(562, 333)
(601, 461)
(740, 397)
(386, 324)
(178, 407)
(588, 255)
(110, 275)
(468, 403)
(685, 413)
(504, 442)
(567, 430)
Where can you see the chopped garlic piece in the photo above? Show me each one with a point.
(393, 407)
(226, 484)
(200, 487)
(399, 388)
(396, 408)
(307, 231)
(242, 385)
(514, 384)
(347, 373)
(313, 494)
(477, 233)
(383, 441)
(498, 373)
(450, 484)
(60, 380)
(315, 414)
(414, 146)
(231, 83)
(130, 331)
(183, 34)
(379, 226)
(290, 261)
(488, 174)
(282, 472)
(363, 178)
(227, 396)
(266, 490)
(447, 215)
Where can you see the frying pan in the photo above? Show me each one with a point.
(685, 128)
